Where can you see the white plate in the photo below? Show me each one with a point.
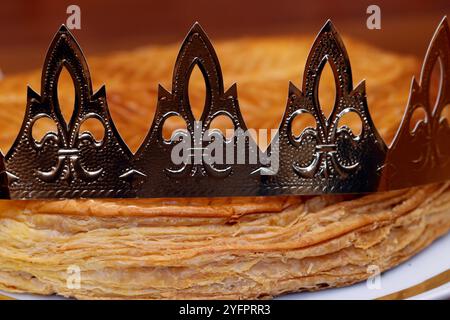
(429, 263)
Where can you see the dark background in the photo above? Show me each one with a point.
(26, 27)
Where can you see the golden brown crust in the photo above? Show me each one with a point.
(227, 247)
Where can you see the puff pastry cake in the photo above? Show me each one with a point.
(222, 248)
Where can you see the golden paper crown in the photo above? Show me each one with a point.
(326, 159)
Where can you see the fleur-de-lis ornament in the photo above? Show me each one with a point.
(330, 156)
(155, 155)
(196, 50)
(68, 161)
(419, 153)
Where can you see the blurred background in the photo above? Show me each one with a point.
(26, 27)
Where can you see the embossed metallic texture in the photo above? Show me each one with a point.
(421, 154)
(197, 178)
(67, 163)
(327, 158)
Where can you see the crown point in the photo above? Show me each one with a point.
(232, 91)
(100, 93)
(328, 27)
(443, 24)
(196, 27)
(63, 28)
(293, 89)
(163, 93)
(361, 87)
(196, 30)
(63, 31)
(31, 94)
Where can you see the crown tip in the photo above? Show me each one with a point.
(232, 91)
(196, 30)
(361, 87)
(64, 31)
(328, 26)
(197, 27)
(63, 28)
(444, 22)
(292, 89)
